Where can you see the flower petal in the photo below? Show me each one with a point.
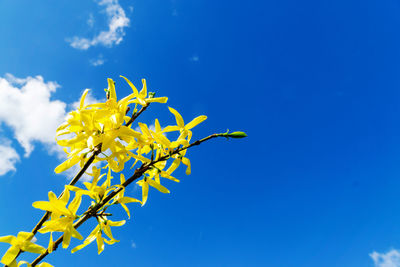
(195, 122)
(10, 255)
(178, 117)
(82, 101)
(159, 187)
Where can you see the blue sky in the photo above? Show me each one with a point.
(314, 84)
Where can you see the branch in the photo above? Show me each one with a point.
(136, 175)
(46, 216)
(73, 181)
(97, 151)
(137, 114)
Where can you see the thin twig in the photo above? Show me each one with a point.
(91, 212)
(136, 114)
(73, 181)
(97, 151)
(85, 167)
(46, 216)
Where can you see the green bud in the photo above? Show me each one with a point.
(152, 94)
(235, 135)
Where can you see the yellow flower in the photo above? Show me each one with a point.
(122, 200)
(20, 243)
(157, 169)
(20, 263)
(181, 127)
(159, 137)
(101, 126)
(103, 226)
(141, 98)
(93, 190)
(62, 218)
(145, 183)
(178, 159)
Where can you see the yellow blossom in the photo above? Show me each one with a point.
(62, 219)
(181, 127)
(141, 97)
(20, 263)
(121, 199)
(93, 190)
(145, 183)
(22, 242)
(96, 234)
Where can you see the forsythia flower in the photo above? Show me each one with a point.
(103, 132)
(100, 126)
(181, 127)
(20, 243)
(122, 200)
(103, 226)
(20, 263)
(62, 218)
(141, 98)
(93, 190)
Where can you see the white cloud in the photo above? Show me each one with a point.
(117, 21)
(194, 58)
(97, 61)
(90, 20)
(25, 107)
(389, 259)
(133, 244)
(9, 157)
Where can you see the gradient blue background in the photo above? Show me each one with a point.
(315, 84)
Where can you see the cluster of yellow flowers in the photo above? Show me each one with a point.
(104, 131)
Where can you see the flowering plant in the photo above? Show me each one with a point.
(101, 135)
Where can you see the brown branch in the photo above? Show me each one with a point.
(96, 151)
(91, 212)
(136, 114)
(46, 216)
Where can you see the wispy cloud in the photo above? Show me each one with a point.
(389, 259)
(194, 58)
(117, 21)
(174, 8)
(97, 61)
(9, 157)
(90, 21)
(133, 244)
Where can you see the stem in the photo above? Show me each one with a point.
(97, 151)
(73, 181)
(137, 114)
(91, 212)
(46, 216)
